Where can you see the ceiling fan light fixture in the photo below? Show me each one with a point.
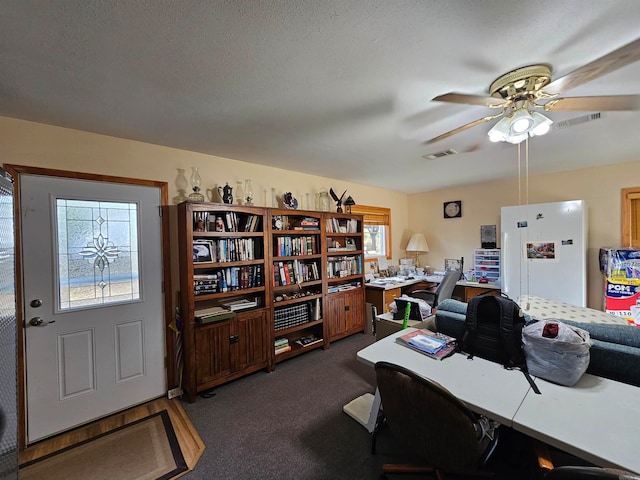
(521, 121)
(500, 131)
(541, 124)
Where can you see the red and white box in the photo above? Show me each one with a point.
(622, 299)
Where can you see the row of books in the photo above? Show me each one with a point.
(213, 314)
(297, 223)
(342, 225)
(281, 345)
(343, 287)
(229, 279)
(226, 222)
(344, 266)
(226, 250)
(289, 246)
(292, 272)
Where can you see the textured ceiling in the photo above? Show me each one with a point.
(339, 88)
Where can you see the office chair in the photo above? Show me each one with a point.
(433, 424)
(589, 473)
(575, 472)
(444, 290)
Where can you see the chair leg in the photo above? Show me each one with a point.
(379, 422)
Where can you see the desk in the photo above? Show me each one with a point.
(464, 378)
(384, 290)
(597, 419)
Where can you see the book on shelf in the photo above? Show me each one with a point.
(240, 304)
(281, 342)
(432, 344)
(308, 340)
(212, 314)
(286, 348)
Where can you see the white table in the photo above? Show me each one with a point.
(597, 419)
(471, 381)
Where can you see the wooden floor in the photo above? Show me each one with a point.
(190, 442)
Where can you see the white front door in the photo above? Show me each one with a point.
(93, 301)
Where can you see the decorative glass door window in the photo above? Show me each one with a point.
(97, 251)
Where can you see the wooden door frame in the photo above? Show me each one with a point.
(15, 171)
(628, 194)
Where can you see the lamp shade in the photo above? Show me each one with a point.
(417, 243)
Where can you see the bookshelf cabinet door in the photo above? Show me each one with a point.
(336, 315)
(355, 315)
(252, 330)
(213, 354)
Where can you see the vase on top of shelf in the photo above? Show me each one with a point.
(248, 192)
(324, 202)
(226, 193)
(195, 196)
(239, 194)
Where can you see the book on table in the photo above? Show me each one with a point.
(432, 344)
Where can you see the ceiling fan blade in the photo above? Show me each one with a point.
(466, 99)
(606, 64)
(463, 127)
(592, 104)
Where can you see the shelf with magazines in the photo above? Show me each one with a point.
(225, 299)
(296, 281)
(344, 283)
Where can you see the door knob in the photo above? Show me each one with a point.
(38, 322)
(35, 303)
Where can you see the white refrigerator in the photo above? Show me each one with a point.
(544, 251)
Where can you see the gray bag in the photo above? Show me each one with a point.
(562, 358)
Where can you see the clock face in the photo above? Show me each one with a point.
(453, 209)
(277, 222)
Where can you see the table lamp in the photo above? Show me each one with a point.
(418, 244)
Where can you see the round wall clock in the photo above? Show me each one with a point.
(453, 209)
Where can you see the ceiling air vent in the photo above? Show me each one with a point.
(443, 153)
(578, 120)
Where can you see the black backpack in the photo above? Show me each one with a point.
(493, 331)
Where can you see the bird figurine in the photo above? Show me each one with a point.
(338, 200)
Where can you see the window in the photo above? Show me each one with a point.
(377, 230)
(631, 217)
(97, 244)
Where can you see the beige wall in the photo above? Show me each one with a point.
(28, 143)
(453, 238)
(35, 144)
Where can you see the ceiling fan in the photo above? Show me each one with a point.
(520, 93)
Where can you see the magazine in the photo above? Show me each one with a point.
(432, 344)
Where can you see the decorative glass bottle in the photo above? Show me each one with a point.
(324, 202)
(196, 196)
(239, 195)
(248, 192)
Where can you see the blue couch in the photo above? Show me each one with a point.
(615, 349)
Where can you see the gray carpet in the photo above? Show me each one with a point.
(289, 424)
